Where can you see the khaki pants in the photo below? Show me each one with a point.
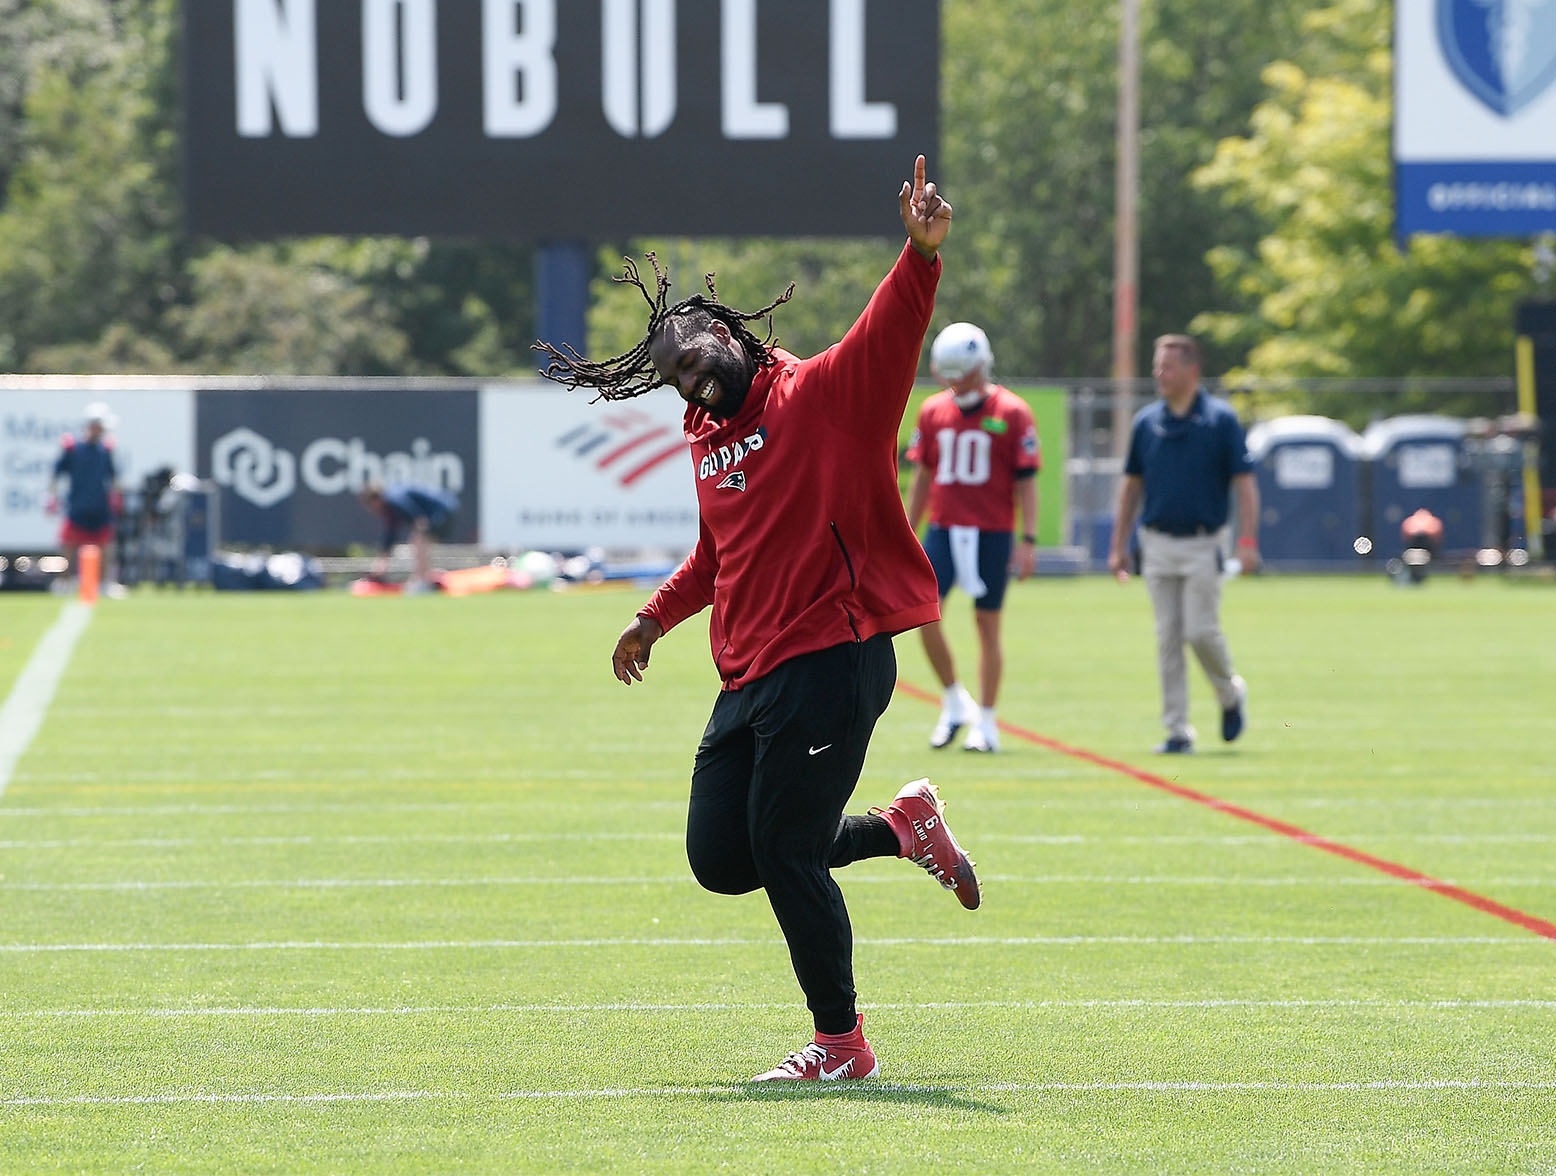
(1183, 576)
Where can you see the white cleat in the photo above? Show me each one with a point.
(955, 713)
(982, 737)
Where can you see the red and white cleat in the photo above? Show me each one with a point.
(917, 816)
(828, 1059)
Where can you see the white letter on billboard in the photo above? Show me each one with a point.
(649, 73)
(393, 50)
(276, 45)
(852, 116)
(518, 42)
(744, 116)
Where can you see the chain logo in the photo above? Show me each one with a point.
(261, 472)
(253, 468)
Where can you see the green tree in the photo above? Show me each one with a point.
(89, 235)
(94, 267)
(1029, 106)
(1329, 292)
(97, 274)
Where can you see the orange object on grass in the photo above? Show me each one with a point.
(367, 587)
(467, 581)
(89, 562)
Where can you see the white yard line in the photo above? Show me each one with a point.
(529, 804)
(160, 885)
(1228, 1004)
(28, 703)
(345, 839)
(526, 804)
(1521, 941)
(802, 1090)
(1262, 840)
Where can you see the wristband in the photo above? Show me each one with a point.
(1032, 539)
(1248, 541)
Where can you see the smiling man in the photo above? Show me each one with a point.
(808, 562)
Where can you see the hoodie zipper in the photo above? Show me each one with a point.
(852, 583)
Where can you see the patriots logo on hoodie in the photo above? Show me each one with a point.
(736, 481)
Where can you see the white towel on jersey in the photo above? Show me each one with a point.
(964, 561)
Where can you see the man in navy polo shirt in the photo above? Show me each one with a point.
(1186, 452)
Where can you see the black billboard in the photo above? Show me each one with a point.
(291, 463)
(555, 119)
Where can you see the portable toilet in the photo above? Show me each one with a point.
(1422, 461)
(1309, 474)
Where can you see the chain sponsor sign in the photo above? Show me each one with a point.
(290, 464)
(1475, 117)
(555, 118)
(561, 474)
(154, 430)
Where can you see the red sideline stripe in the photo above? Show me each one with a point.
(1481, 903)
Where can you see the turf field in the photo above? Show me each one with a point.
(307, 884)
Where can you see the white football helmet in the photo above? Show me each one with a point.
(958, 350)
(98, 413)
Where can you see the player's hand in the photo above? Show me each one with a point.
(1025, 562)
(631, 656)
(1250, 558)
(1119, 566)
(924, 214)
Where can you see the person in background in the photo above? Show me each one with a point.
(1186, 453)
(977, 456)
(87, 470)
(414, 512)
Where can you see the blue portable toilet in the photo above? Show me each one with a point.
(1309, 473)
(1422, 461)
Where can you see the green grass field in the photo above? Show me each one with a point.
(314, 884)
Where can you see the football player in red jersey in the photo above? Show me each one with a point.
(977, 455)
(808, 563)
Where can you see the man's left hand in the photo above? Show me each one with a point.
(924, 214)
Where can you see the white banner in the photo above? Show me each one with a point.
(1477, 80)
(1475, 116)
(155, 429)
(561, 474)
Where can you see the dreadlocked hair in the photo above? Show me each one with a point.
(632, 373)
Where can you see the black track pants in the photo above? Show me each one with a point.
(778, 762)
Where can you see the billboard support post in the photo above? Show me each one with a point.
(562, 294)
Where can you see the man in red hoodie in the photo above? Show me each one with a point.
(808, 562)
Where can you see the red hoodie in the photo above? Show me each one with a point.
(803, 540)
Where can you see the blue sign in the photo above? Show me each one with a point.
(1504, 51)
(291, 463)
(1475, 199)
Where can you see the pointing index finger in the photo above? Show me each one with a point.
(918, 180)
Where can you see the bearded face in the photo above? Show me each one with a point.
(705, 364)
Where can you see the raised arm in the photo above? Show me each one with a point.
(869, 373)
